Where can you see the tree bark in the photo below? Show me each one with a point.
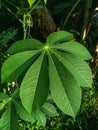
(46, 23)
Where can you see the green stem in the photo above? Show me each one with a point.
(87, 11)
(9, 10)
(86, 20)
(69, 14)
(34, 7)
(12, 4)
(24, 26)
(24, 21)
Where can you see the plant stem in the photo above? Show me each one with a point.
(24, 26)
(86, 20)
(69, 14)
(12, 4)
(24, 23)
(9, 10)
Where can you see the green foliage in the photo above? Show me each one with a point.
(0, 3)
(31, 2)
(45, 1)
(56, 67)
(9, 120)
(49, 109)
(47, 86)
(6, 36)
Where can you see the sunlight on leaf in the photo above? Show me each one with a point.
(31, 2)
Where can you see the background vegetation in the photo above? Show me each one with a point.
(25, 19)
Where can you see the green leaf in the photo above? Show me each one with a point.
(31, 2)
(65, 90)
(58, 8)
(8, 120)
(49, 110)
(16, 65)
(23, 113)
(4, 99)
(45, 1)
(78, 67)
(75, 48)
(3, 96)
(6, 36)
(40, 117)
(24, 45)
(35, 86)
(59, 37)
(0, 3)
(15, 94)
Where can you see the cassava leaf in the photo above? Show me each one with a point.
(34, 87)
(59, 37)
(75, 48)
(78, 67)
(16, 65)
(30, 64)
(24, 45)
(8, 120)
(65, 90)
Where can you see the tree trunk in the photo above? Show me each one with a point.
(45, 21)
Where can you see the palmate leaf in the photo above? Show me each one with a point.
(65, 90)
(16, 65)
(58, 37)
(24, 45)
(35, 85)
(78, 67)
(8, 120)
(68, 71)
(74, 48)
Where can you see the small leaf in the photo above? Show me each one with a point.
(0, 3)
(31, 2)
(24, 45)
(64, 88)
(75, 48)
(59, 37)
(45, 1)
(6, 36)
(16, 65)
(8, 120)
(49, 110)
(23, 113)
(34, 87)
(40, 117)
(4, 99)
